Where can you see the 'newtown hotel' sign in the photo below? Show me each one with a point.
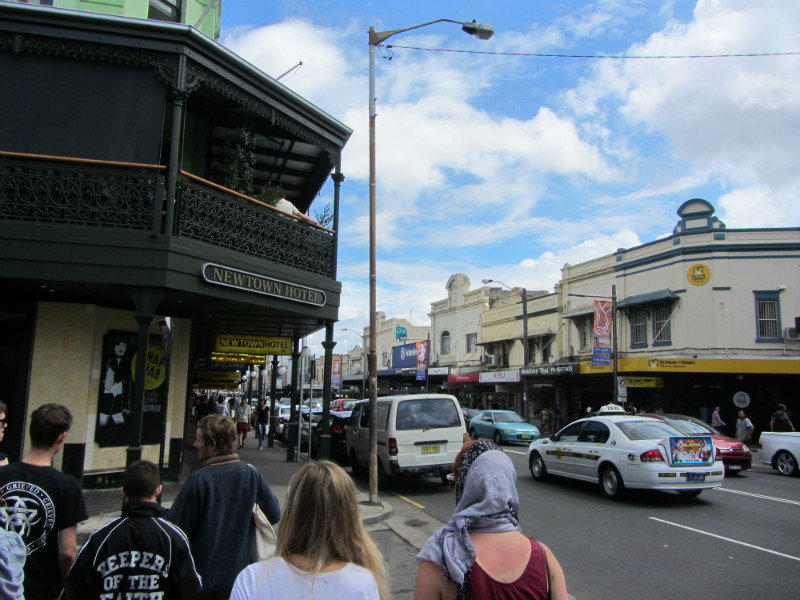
(258, 284)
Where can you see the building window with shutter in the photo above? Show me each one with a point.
(472, 343)
(638, 327)
(661, 325)
(444, 343)
(768, 317)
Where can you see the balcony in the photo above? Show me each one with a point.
(108, 198)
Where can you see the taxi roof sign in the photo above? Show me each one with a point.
(612, 409)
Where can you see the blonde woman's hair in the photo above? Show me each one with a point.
(321, 522)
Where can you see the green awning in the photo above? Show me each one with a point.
(666, 295)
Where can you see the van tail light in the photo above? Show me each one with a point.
(337, 429)
(392, 447)
(652, 456)
(465, 437)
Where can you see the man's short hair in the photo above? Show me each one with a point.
(47, 423)
(781, 407)
(219, 430)
(140, 480)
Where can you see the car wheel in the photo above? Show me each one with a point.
(536, 465)
(496, 438)
(611, 483)
(785, 463)
(473, 435)
(690, 493)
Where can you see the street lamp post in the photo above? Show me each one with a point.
(482, 32)
(525, 349)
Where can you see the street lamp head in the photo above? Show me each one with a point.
(482, 31)
(485, 281)
(305, 352)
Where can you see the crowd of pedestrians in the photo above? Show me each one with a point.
(202, 547)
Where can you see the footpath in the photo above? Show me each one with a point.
(398, 528)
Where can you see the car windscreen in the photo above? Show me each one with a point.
(647, 430)
(689, 427)
(507, 417)
(427, 413)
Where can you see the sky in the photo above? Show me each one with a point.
(498, 164)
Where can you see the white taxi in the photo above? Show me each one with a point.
(619, 450)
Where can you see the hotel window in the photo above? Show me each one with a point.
(472, 343)
(768, 317)
(661, 324)
(638, 326)
(444, 343)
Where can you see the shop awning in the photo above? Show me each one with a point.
(581, 311)
(664, 295)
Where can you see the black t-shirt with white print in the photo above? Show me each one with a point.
(40, 502)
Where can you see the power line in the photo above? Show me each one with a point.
(603, 56)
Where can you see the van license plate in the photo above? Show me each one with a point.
(695, 477)
(430, 449)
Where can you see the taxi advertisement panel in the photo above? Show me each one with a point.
(691, 450)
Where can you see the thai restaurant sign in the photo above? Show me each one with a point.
(253, 344)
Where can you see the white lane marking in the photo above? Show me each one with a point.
(516, 452)
(773, 498)
(726, 539)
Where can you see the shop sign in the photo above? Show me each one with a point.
(464, 378)
(218, 376)
(499, 377)
(438, 370)
(405, 355)
(562, 369)
(645, 382)
(253, 344)
(258, 284)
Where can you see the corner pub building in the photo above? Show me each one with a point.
(116, 162)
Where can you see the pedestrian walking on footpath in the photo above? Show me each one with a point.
(780, 420)
(716, 420)
(481, 553)
(138, 553)
(215, 507)
(43, 504)
(262, 422)
(241, 414)
(744, 428)
(323, 552)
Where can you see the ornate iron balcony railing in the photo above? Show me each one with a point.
(78, 192)
(106, 195)
(212, 214)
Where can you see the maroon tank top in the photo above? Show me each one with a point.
(531, 585)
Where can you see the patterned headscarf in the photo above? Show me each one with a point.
(487, 501)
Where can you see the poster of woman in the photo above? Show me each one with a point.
(114, 404)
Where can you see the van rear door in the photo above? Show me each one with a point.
(429, 431)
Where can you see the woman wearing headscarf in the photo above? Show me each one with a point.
(481, 552)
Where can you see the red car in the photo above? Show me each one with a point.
(343, 404)
(735, 455)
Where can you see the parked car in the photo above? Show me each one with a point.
(282, 417)
(343, 404)
(619, 450)
(418, 434)
(780, 450)
(337, 426)
(735, 455)
(502, 426)
(469, 413)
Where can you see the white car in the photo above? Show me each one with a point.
(780, 450)
(619, 451)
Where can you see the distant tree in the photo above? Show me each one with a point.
(324, 216)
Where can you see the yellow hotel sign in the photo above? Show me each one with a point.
(218, 376)
(253, 344)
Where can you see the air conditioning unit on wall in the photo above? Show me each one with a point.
(490, 360)
(791, 333)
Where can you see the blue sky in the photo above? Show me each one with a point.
(508, 167)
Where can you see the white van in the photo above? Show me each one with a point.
(418, 434)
